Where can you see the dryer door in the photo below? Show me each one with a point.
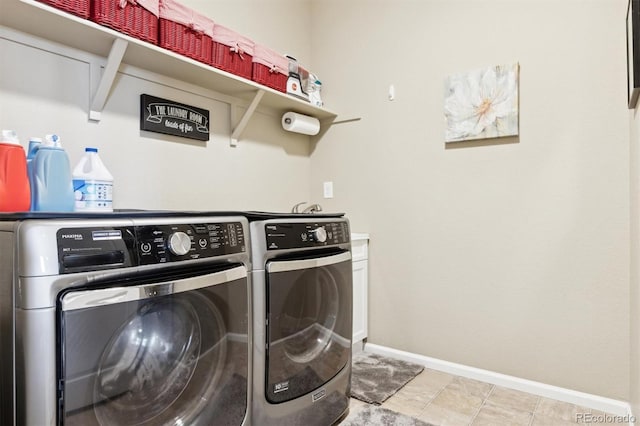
(309, 304)
(167, 348)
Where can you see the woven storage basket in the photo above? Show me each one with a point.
(185, 31)
(138, 18)
(232, 52)
(270, 68)
(77, 7)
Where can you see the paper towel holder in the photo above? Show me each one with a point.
(300, 123)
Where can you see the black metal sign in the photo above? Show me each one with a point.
(173, 118)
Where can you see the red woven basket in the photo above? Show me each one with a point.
(265, 76)
(185, 31)
(232, 52)
(77, 7)
(132, 19)
(270, 68)
(185, 41)
(236, 63)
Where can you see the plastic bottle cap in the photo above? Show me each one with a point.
(52, 141)
(91, 150)
(35, 140)
(10, 136)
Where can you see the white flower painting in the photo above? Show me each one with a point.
(482, 104)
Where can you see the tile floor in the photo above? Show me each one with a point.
(443, 399)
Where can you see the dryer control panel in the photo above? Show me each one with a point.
(306, 234)
(96, 248)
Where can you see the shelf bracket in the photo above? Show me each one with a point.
(114, 60)
(235, 135)
(346, 120)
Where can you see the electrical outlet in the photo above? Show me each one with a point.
(328, 189)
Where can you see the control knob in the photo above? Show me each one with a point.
(179, 243)
(320, 234)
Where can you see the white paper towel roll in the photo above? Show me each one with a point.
(299, 123)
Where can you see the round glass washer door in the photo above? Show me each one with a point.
(152, 360)
(309, 316)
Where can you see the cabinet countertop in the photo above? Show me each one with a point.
(355, 236)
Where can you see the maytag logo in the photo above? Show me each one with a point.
(76, 237)
(318, 395)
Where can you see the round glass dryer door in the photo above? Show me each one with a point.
(150, 363)
(309, 315)
(309, 323)
(162, 359)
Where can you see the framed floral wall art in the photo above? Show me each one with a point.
(633, 52)
(482, 104)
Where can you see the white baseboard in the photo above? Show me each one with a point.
(613, 406)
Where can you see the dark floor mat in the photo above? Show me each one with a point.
(375, 378)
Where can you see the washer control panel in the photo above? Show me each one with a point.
(167, 243)
(96, 248)
(306, 234)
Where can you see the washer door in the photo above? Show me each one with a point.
(156, 353)
(309, 303)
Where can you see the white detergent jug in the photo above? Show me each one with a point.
(92, 184)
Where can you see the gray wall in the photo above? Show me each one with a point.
(508, 255)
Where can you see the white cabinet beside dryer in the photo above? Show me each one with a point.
(360, 257)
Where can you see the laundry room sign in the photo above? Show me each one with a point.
(173, 118)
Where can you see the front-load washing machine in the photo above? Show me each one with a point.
(126, 319)
(302, 305)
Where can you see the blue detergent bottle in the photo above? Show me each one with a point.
(51, 182)
(34, 145)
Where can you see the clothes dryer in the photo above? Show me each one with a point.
(302, 327)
